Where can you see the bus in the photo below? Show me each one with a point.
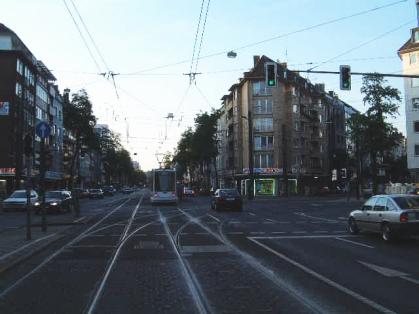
(164, 186)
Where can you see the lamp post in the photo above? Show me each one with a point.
(250, 192)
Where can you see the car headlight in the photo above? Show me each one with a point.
(37, 204)
(54, 204)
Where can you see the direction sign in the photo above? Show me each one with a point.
(43, 129)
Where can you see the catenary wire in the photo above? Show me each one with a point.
(202, 36)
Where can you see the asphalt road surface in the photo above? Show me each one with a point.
(277, 256)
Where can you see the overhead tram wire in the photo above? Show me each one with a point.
(90, 36)
(82, 37)
(196, 36)
(301, 30)
(361, 45)
(202, 36)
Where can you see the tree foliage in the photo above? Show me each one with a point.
(197, 147)
(372, 134)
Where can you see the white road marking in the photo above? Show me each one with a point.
(235, 232)
(320, 231)
(299, 232)
(257, 232)
(25, 246)
(356, 243)
(278, 232)
(220, 248)
(268, 222)
(326, 280)
(319, 218)
(252, 214)
(91, 246)
(320, 236)
(340, 231)
(215, 218)
(271, 220)
(201, 233)
(285, 222)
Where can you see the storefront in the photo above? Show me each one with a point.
(266, 182)
(7, 181)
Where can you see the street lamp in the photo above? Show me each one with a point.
(250, 127)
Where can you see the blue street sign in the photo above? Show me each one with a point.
(43, 130)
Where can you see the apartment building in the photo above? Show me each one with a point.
(291, 127)
(409, 54)
(27, 96)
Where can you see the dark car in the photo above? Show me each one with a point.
(108, 190)
(81, 193)
(226, 198)
(56, 202)
(95, 193)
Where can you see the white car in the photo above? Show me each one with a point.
(18, 200)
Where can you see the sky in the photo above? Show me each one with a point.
(136, 38)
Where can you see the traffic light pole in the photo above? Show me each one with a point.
(28, 199)
(284, 157)
(250, 191)
(42, 185)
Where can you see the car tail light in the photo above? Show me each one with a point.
(173, 193)
(404, 217)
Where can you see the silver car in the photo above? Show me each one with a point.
(18, 200)
(390, 215)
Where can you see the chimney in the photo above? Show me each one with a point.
(319, 87)
(257, 58)
(283, 64)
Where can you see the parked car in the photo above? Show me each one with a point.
(127, 190)
(226, 198)
(414, 191)
(390, 215)
(109, 190)
(95, 193)
(17, 200)
(188, 192)
(82, 193)
(56, 201)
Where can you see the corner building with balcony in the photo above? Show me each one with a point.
(289, 134)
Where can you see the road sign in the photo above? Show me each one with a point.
(43, 130)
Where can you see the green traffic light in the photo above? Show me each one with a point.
(271, 82)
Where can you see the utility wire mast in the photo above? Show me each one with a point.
(192, 77)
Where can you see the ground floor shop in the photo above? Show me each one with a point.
(268, 186)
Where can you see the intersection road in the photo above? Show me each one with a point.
(277, 256)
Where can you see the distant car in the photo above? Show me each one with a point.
(17, 200)
(109, 191)
(414, 191)
(127, 191)
(390, 215)
(57, 202)
(95, 193)
(226, 198)
(81, 193)
(188, 192)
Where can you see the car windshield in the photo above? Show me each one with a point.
(94, 190)
(406, 202)
(18, 194)
(230, 192)
(53, 194)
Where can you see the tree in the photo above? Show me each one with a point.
(371, 132)
(79, 119)
(197, 147)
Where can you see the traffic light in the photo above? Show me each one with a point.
(270, 74)
(28, 145)
(343, 173)
(345, 77)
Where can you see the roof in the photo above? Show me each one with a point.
(16, 44)
(409, 45)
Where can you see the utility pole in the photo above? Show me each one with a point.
(28, 151)
(284, 159)
(42, 185)
(250, 192)
(192, 76)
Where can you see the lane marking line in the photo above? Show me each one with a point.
(354, 242)
(252, 214)
(213, 217)
(314, 217)
(326, 280)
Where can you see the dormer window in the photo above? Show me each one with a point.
(416, 36)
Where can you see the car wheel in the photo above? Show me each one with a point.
(352, 226)
(386, 232)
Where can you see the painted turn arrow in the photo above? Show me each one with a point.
(388, 272)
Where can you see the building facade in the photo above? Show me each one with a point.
(409, 54)
(293, 129)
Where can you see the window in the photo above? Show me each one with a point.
(412, 58)
(415, 82)
(416, 126)
(416, 36)
(263, 142)
(38, 113)
(260, 89)
(263, 125)
(380, 205)
(320, 118)
(391, 206)
(19, 66)
(294, 108)
(19, 91)
(263, 161)
(415, 103)
(369, 204)
(416, 150)
(41, 93)
(296, 126)
(296, 142)
(263, 106)
(320, 133)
